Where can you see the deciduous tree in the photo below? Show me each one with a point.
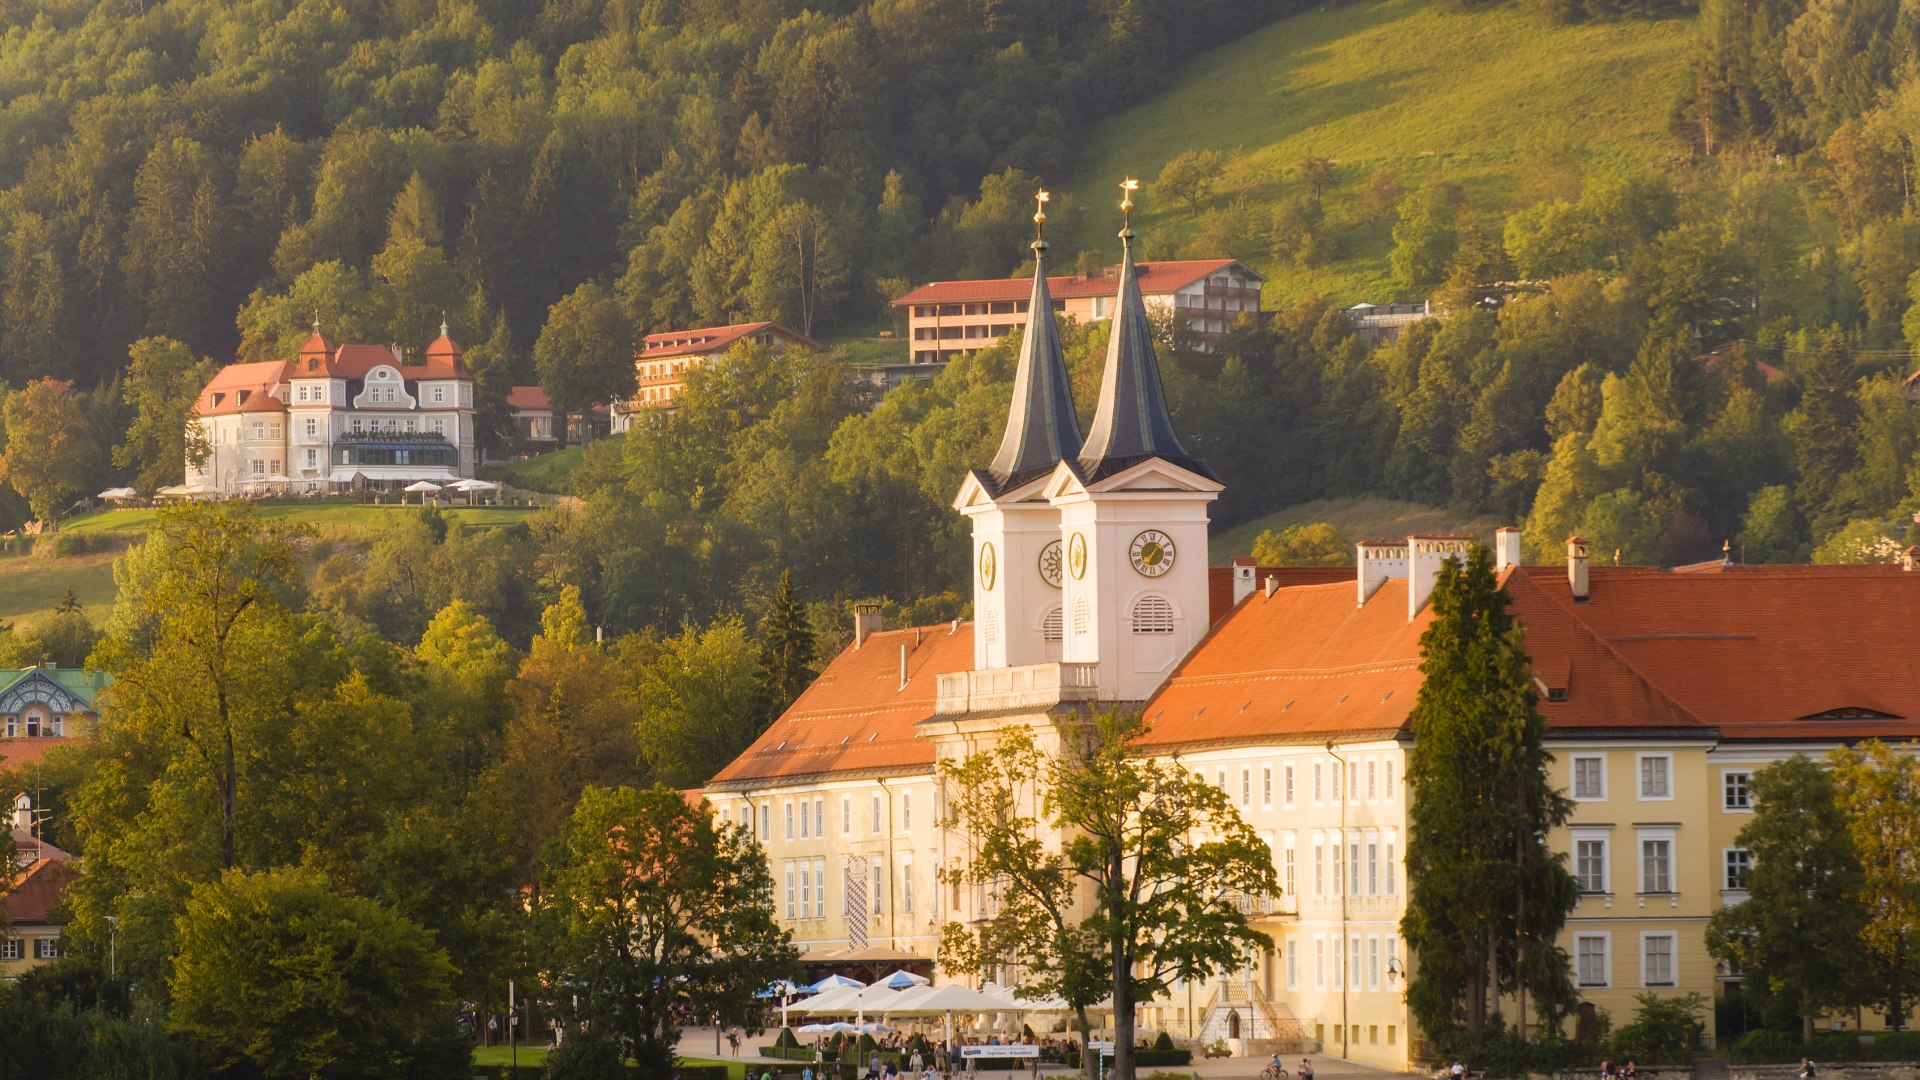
(49, 454)
(1878, 788)
(1190, 177)
(163, 380)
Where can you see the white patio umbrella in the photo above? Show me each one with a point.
(112, 494)
(423, 487)
(830, 1003)
(474, 485)
(903, 979)
(953, 998)
(834, 982)
(814, 1029)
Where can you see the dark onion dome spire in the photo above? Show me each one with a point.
(1131, 423)
(1042, 430)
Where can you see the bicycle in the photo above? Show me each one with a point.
(1275, 1072)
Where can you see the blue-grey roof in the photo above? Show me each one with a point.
(1042, 430)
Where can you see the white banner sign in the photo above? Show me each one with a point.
(1014, 1050)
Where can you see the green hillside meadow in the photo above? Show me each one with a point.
(1493, 99)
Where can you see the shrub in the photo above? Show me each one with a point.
(786, 1039)
(587, 1055)
(1164, 1042)
(1662, 1031)
(700, 1072)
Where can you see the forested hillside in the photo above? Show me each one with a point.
(219, 173)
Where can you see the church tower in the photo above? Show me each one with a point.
(1133, 516)
(1018, 565)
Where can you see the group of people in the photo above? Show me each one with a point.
(1610, 1071)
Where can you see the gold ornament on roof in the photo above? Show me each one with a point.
(1040, 199)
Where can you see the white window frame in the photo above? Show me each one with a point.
(10, 948)
(1727, 805)
(906, 811)
(788, 865)
(1286, 790)
(846, 815)
(1640, 776)
(806, 821)
(1266, 786)
(766, 821)
(1288, 863)
(877, 810)
(1319, 784)
(820, 817)
(1573, 777)
(1386, 784)
(1673, 957)
(1246, 785)
(1291, 954)
(906, 883)
(819, 888)
(787, 806)
(1603, 837)
(1605, 939)
(806, 889)
(1727, 883)
(1373, 961)
(1654, 836)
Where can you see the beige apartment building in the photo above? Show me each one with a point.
(948, 318)
(661, 367)
(1291, 689)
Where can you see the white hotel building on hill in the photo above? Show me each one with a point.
(337, 416)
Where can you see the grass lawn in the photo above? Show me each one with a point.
(546, 472)
(327, 517)
(502, 1055)
(30, 584)
(1433, 91)
(1360, 518)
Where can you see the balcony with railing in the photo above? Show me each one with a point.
(1257, 904)
(1032, 686)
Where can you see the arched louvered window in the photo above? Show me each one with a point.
(1081, 624)
(992, 628)
(1153, 614)
(1050, 625)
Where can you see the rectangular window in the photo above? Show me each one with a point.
(1286, 879)
(46, 948)
(846, 815)
(1656, 964)
(906, 884)
(1287, 783)
(879, 881)
(1353, 960)
(1337, 770)
(789, 810)
(1734, 787)
(1656, 866)
(1738, 862)
(806, 822)
(1317, 796)
(766, 822)
(1266, 785)
(1373, 868)
(1293, 963)
(1372, 790)
(1220, 779)
(1590, 959)
(1339, 871)
(1389, 868)
(820, 816)
(1589, 777)
(819, 888)
(1655, 779)
(313, 427)
(1319, 963)
(1373, 963)
(10, 949)
(906, 811)
(1353, 868)
(876, 815)
(790, 889)
(439, 394)
(1353, 783)
(806, 891)
(1590, 865)
(1386, 787)
(1246, 787)
(1319, 870)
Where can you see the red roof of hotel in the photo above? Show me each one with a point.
(528, 397)
(714, 339)
(857, 717)
(243, 388)
(1156, 279)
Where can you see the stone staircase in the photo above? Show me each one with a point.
(1266, 1027)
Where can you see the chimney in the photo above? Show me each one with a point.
(1909, 558)
(866, 622)
(1506, 548)
(1378, 561)
(1242, 577)
(1577, 567)
(903, 665)
(1426, 554)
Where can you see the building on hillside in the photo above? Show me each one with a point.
(533, 418)
(38, 878)
(660, 368)
(43, 707)
(1382, 324)
(946, 319)
(1291, 690)
(336, 417)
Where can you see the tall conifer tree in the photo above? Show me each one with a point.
(786, 648)
(1487, 896)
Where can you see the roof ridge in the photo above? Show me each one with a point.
(1367, 668)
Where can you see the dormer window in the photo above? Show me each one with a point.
(1852, 712)
(242, 398)
(313, 364)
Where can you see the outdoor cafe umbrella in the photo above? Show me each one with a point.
(112, 494)
(829, 1002)
(947, 1000)
(423, 486)
(834, 982)
(786, 992)
(902, 980)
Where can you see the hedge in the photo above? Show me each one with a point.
(539, 1072)
(1143, 1057)
(1764, 1047)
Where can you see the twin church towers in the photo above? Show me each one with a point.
(1090, 551)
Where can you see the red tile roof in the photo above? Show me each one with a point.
(1220, 582)
(15, 753)
(714, 339)
(1775, 653)
(243, 388)
(36, 893)
(1156, 279)
(857, 717)
(528, 397)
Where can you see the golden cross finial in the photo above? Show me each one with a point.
(1128, 187)
(1040, 199)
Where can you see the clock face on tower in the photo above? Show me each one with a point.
(1152, 553)
(988, 567)
(1077, 556)
(1050, 563)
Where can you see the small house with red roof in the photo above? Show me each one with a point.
(948, 318)
(38, 880)
(661, 366)
(337, 416)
